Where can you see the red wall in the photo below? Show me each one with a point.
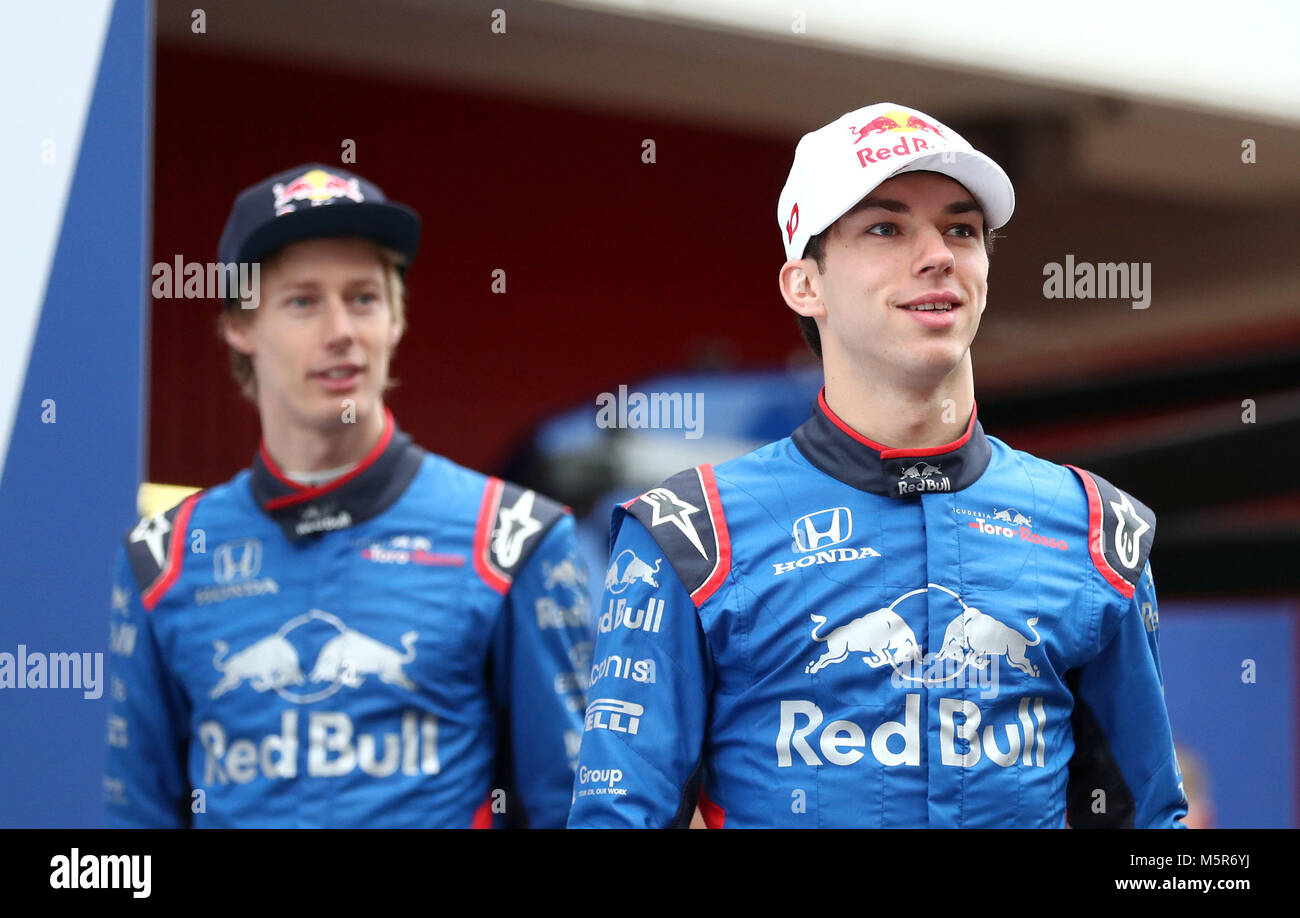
(615, 269)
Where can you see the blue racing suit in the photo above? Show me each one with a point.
(829, 632)
(403, 646)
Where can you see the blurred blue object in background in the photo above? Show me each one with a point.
(594, 468)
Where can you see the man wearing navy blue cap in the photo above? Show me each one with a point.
(353, 631)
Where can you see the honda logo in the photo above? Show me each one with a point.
(238, 560)
(823, 528)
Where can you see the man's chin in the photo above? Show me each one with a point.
(930, 366)
(339, 413)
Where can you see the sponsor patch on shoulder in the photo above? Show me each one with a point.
(684, 516)
(1121, 530)
(512, 522)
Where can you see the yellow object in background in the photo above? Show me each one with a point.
(153, 498)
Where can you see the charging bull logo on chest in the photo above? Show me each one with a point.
(344, 657)
(271, 663)
(972, 639)
(881, 637)
(1010, 732)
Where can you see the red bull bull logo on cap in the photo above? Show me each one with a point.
(317, 186)
(895, 121)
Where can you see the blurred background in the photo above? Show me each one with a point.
(519, 132)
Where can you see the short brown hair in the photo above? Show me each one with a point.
(241, 365)
(816, 250)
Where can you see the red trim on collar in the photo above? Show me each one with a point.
(275, 469)
(885, 451)
(304, 493)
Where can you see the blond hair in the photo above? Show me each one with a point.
(241, 365)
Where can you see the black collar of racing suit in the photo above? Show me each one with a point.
(841, 452)
(363, 492)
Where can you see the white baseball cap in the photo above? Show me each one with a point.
(836, 166)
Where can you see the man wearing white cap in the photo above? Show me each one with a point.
(888, 618)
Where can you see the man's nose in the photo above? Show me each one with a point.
(338, 321)
(933, 255)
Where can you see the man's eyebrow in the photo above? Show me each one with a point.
(898, 207)
(889, 204)
(313, 283)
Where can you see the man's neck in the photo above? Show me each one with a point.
(311, 449)
(902, 417)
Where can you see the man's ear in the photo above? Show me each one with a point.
(801, 287)
(236, 331)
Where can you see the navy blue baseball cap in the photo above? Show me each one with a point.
(313, 202)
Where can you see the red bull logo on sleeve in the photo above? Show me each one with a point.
(550, 614)
(628, 569)
(318, 187)
(633, 618)
(570, 573)
(907, 128)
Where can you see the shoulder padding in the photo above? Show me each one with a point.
(512, 522)
(1120, 532)
(155, 549)
(684, 516)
